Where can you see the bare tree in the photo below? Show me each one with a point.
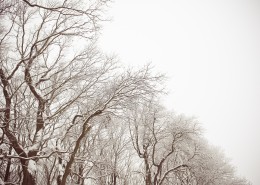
(210, 166)
(49, 86)
(166, 143)
(65, 107)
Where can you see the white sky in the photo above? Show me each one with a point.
(211, 52)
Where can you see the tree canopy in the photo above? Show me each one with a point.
(70, 114)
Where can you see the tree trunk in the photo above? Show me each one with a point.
(114, 178)
(86, 129)
(7, 172)
(81, 168)
(148, 176)
(28, 178)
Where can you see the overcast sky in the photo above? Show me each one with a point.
(211, 52)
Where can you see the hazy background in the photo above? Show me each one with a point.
(211, 52)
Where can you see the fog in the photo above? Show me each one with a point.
(210, 52)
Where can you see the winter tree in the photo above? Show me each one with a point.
(70, 114)
(49, 87)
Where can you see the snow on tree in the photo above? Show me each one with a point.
(70, 114)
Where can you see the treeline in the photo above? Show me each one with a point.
(69, 114)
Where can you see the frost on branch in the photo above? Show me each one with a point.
(81, 115)
(32, 168)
